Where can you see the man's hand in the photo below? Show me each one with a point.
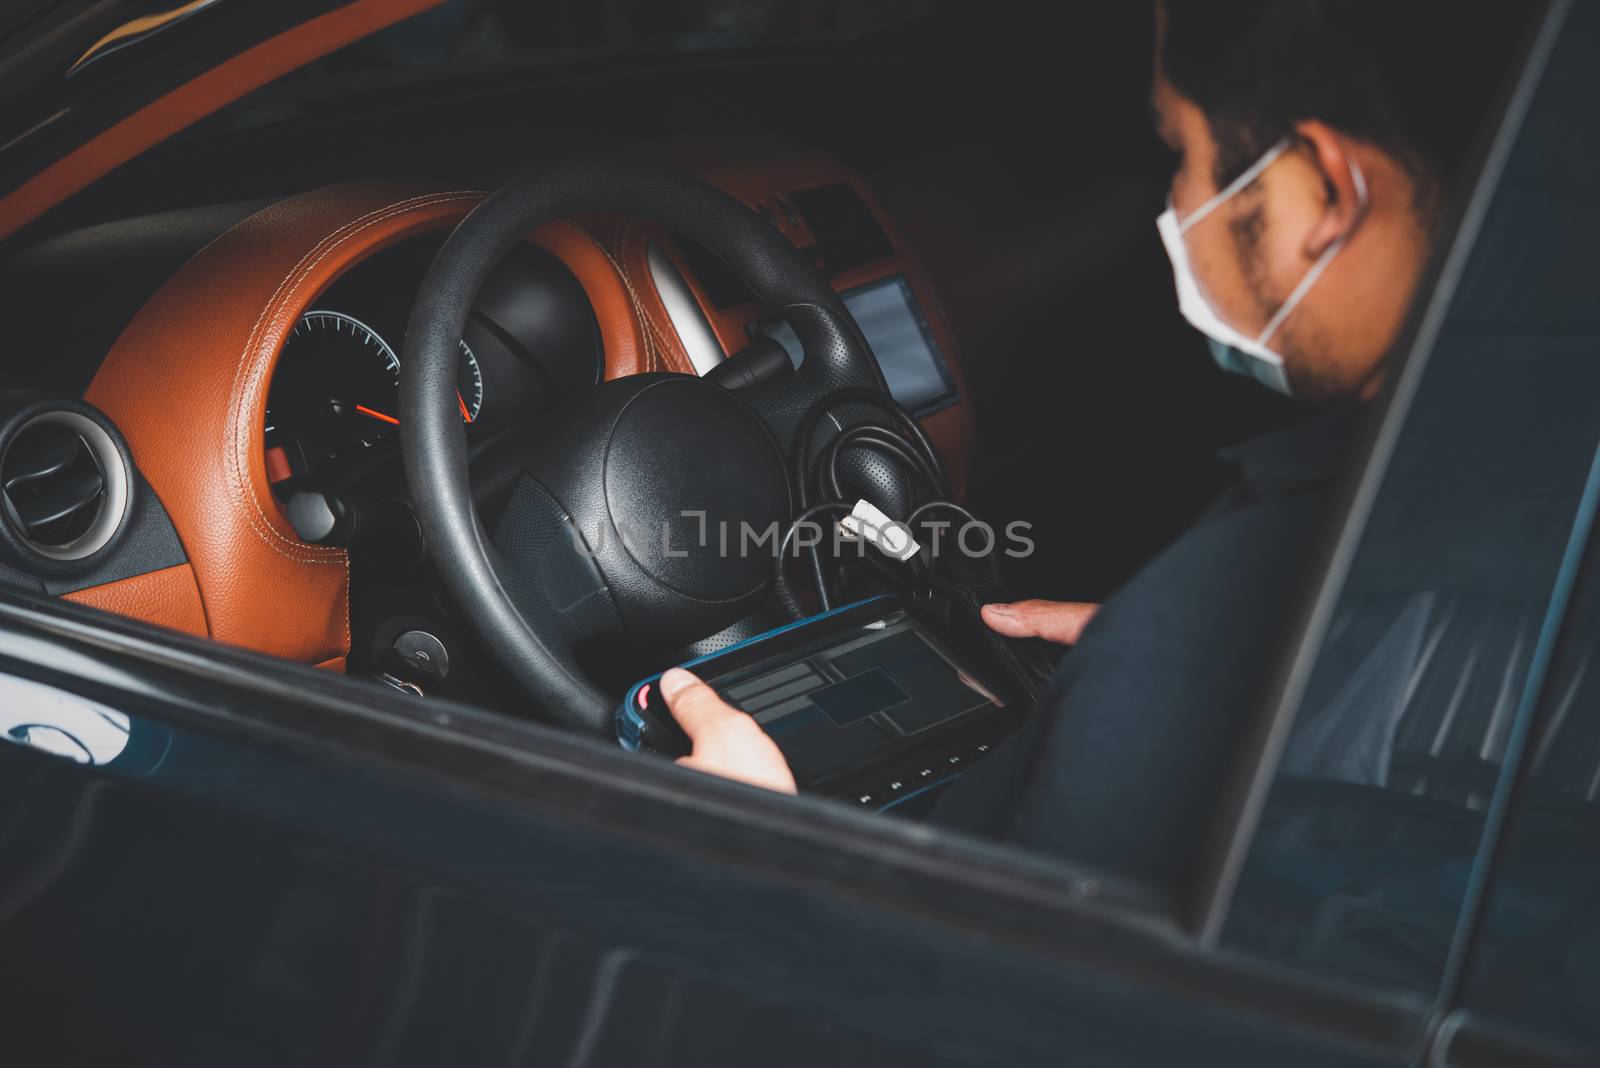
(727, 742)
(1054, 621)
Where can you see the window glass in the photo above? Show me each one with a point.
(1536, 965)
(489, 39)
(1360, 863)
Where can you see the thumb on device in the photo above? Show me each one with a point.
(695, 706)
(727, 742)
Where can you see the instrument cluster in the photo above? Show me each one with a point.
(333, 407)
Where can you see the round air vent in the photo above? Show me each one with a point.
(64, 484)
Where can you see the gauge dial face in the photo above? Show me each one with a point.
(469, 385)
(337, 387)
(337, 391)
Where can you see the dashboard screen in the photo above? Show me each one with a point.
(899, 336)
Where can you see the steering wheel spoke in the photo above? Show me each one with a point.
(549, 571)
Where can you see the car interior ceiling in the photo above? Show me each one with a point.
(1012, 151)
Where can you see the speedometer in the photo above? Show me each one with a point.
(469, 385)
(337, 386)
(337, 390)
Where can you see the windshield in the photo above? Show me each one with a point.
(479, 39)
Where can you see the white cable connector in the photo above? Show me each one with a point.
(869, 524)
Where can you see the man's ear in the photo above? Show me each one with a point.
(1343, 205)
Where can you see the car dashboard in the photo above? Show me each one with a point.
(266, 364)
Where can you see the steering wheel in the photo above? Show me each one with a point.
(646, 507)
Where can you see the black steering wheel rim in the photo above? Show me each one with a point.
(433, 439)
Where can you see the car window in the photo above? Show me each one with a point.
(1431, 658)
(1536, 963)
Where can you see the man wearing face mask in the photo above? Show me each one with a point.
(1319, 142)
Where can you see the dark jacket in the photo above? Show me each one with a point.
(1132, 744)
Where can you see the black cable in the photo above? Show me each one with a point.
(881, 566)
(877, 438)
(824, 602)
(949, 506)
(780, 581)
(806, 431)
(1021, 656)
(919, 464)
(952, 506)
(914, 451)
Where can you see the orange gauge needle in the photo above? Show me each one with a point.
(364, 410)
(391, 420)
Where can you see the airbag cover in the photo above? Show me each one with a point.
(695, 485)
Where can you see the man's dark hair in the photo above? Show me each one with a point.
(1417, 78)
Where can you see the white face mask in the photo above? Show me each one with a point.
(1232, 350)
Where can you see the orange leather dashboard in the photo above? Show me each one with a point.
(167, 598)
(187, 384)
(625, 241)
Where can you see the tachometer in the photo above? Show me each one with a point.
(337, 386)
(337, 390)
(469, 385)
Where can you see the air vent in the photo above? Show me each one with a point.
(65, 485)
(847, 233)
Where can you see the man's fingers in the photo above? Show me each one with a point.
(1005, 619)
(693, 704)
(1054, 621)
(727, 742)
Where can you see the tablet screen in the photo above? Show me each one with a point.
(854, 694)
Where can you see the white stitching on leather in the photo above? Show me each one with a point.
(652, 336)
(666, 351)
(299, 552)
(294, 550)
(600, 248)
(345, 603)
(658, 346)
(633, 298)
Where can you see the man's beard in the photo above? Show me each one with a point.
(1313, 377)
